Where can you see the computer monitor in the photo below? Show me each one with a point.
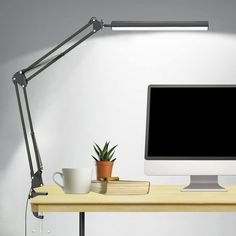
(190, 130)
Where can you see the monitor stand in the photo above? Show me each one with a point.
(204, 183)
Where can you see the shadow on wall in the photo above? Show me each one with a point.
(28, 26)
(10, 126)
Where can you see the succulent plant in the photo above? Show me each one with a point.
(104, 154)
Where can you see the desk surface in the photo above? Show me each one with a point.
(161, 198)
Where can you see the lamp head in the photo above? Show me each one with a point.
(158, 25)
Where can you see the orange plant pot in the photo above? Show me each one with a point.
(104, 169)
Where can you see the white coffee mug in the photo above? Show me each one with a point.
(75, 180)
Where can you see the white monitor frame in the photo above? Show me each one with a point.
(189, 167)
(200, 168)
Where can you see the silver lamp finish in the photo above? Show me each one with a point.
(159, 25)
(203, 173)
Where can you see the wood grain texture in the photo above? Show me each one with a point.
(161, 198)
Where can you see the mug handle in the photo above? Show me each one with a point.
(54, 179)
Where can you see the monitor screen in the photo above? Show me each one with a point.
(191, 123)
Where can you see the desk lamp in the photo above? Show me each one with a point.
(21, 78)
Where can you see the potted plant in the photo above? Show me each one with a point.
(104, 160)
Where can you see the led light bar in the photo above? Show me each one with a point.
(159, 26)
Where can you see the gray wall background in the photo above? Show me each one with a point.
(98, 93)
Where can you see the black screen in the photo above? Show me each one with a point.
(191, 123)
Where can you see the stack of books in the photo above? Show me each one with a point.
(120, 187)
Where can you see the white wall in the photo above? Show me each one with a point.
(98, 93)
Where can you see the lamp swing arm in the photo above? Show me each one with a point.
(20, 79)
(44, 62)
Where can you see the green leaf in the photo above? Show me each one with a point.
(105, 156)
(104, 153)
(113, 160)
(111, 155)
(105, 148)
(98, 148)
(94, 158)
(110, 151)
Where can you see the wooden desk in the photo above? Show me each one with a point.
(160, 199)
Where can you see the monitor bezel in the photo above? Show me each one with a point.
(170, 158)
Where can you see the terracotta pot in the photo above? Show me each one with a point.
(104, 169)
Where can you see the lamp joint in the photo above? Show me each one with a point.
(37, 180)
(97, 25)
(19, 78)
